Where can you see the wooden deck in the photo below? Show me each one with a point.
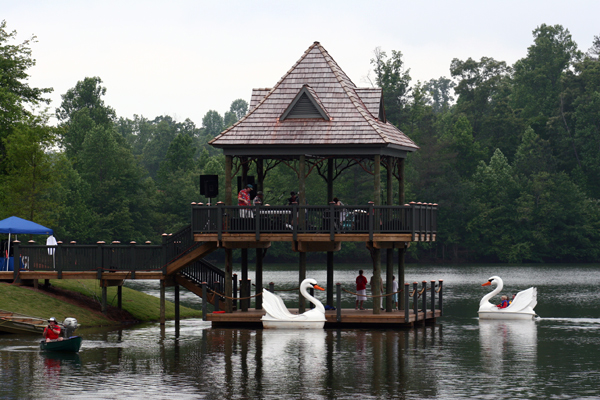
(350, 318)
(109, 276)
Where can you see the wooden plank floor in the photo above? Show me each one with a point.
(350, 318)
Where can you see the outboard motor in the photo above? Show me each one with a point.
(70, 325)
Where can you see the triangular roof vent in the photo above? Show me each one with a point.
(306, 104)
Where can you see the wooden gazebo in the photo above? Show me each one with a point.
(316, 117)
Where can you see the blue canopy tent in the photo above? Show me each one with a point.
(16, 225)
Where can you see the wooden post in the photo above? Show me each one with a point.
(258, 277)
(330, 278)
(424, 301)
(406, 297)
(338, 303)
(217, 289)
(376, 285)
(440, 298)
(259, 252)
(243, 286)
(302, 190)
(389, 259)
(301, 223)
(415, 301)
(433, 299)
(401, 268)
(162, 302)
(228, 179)
(176, 307)
(376, 281)
(204, 301)
(228, 279)
(301, 277)
(235, 303)
(402, 250)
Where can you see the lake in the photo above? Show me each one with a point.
(553, 357)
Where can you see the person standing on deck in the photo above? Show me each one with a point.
(244, 200)
(361, 290)
(394, 290)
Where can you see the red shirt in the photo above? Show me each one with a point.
(51, 334)
(243, 194)
(361, 282)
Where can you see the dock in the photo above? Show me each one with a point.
(349, 318)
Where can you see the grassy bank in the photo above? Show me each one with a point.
(141, 306)
(80, 300)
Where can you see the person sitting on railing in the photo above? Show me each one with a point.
(244, 200)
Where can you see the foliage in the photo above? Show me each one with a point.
(15, 93)
(511, 153)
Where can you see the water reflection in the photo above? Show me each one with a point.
(507, 344)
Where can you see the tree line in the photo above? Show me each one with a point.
(509, 152)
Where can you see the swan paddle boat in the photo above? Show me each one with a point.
(521, 307)
(279, 317)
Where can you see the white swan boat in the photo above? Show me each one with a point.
(521, 307)
(279, 317)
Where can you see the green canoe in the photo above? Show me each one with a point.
(71, 344)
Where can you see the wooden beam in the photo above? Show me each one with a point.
(111, 282)
(388, 245)
(307, 247)
(244, 245)
(192, 256)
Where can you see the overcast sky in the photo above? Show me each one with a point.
(184, 58)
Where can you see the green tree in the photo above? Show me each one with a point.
(15, 92)
(538, 76)
(179, 158)
(81, 110)
(212, 123)
(30, 171)
(394, 80)
(239, 107)
(439, 93)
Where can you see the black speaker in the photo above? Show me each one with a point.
(249, 180)
(209, 185)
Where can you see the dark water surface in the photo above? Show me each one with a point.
(554, 357)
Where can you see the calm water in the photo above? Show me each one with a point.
(555, 357)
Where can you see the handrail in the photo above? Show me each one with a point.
(416, 219)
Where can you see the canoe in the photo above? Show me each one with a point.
(72, 344)
(18, 323)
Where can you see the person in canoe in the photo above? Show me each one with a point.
(52, 331)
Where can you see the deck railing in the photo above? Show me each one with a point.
(417, 219)
(98, 257)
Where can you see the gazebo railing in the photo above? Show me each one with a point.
(417, 219)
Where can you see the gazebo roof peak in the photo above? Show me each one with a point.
(315, 108)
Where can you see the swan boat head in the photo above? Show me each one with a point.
(278, 316)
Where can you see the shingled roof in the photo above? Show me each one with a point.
(314, 109)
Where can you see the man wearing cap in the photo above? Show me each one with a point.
(258, 199)
(244, 200)
(52, 331)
